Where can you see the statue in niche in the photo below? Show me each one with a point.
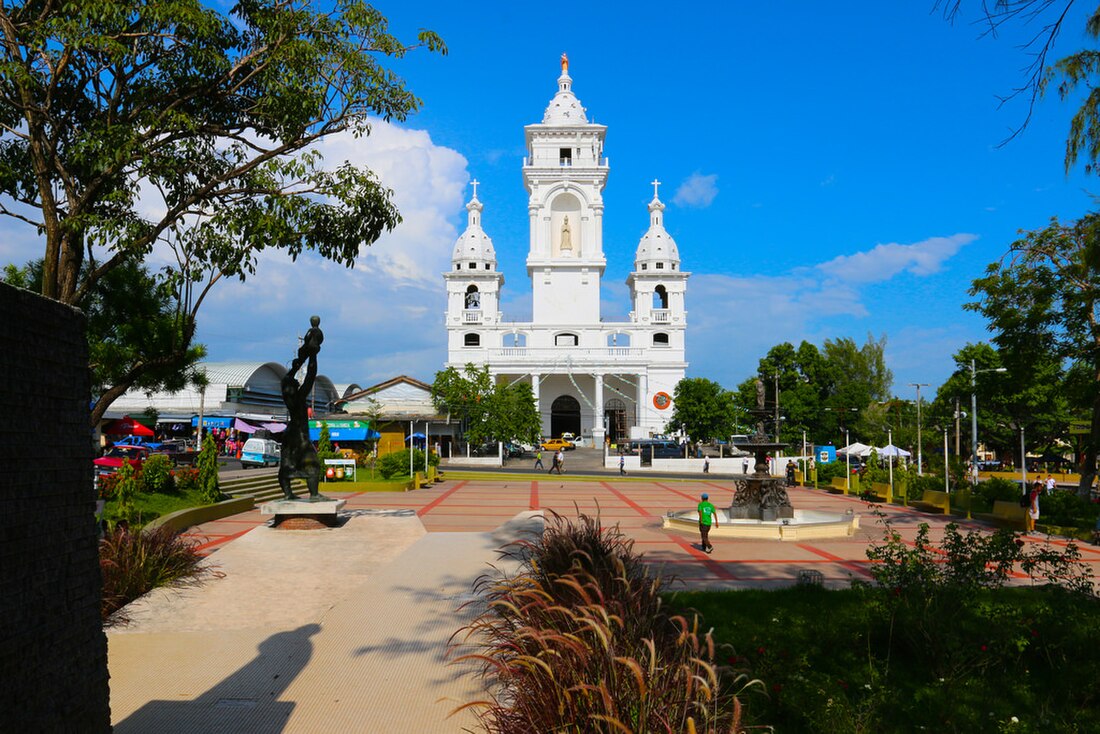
(473, 300)
(566, 236)
(298, 457)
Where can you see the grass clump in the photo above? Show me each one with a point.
(133, 563)
(580, 639)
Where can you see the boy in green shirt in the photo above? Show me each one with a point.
(707, 517)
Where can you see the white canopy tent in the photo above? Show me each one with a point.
(855, 449)
(892, 450)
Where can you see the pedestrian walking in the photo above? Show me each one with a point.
(553, 463)
(1050, 484)
(744, 466)
(1033, 506)
(707, 517)
(538, 459)
(561, 461)
(706, 465)
(622, 465)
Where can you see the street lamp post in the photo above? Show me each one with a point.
(974, 372)
(920, 455)
(776, 376)
(847, 464)
(890, 461)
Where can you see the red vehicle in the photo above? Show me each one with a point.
(111, 461)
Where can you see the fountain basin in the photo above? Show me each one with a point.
(805, 525)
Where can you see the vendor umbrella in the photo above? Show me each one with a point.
(127, 426)
(418, 436)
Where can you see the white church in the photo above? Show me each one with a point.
(590, 377)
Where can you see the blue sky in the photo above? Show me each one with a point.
(829, 169)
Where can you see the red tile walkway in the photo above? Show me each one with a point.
(637, 507)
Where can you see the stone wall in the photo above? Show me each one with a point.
(53, 658)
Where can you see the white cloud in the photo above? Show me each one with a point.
(883, 262)
(697, 190)
(734, 319)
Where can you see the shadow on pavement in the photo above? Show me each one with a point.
(244, 701)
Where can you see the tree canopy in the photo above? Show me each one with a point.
(486, 410)
(818, 388)
(127, 125)
(704, 408)
(1041, 301)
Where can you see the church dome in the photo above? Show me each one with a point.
(564, 108)
(656, 245)
(473, 247)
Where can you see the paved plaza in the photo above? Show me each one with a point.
(346, 629)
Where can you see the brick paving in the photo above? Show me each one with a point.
(637, 505)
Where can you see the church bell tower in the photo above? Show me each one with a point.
(565, 173)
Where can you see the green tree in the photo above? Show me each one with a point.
(324, 444)
(207, 464)
(129, 125)
(704, 408)
(486, 410)
(133, 331)
(1042, 299)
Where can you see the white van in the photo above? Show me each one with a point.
(260, 452)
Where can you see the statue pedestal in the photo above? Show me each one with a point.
(302, 514)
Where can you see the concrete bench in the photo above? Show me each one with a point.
(934, 500)
(1006, 512)
(881, 491)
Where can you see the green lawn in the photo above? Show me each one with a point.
(152, 505)
(870, 660)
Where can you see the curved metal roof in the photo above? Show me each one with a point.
(244, 374)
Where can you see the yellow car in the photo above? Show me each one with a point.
(553, 444)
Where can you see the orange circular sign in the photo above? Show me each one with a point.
(662, 400)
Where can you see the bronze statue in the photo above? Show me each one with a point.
(298, 457)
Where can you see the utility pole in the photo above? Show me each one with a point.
(776, 407)
(957, 427)
(920, 456)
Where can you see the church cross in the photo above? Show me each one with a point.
(474, 183)
(655, 183)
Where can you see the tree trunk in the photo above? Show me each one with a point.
(1088, 462)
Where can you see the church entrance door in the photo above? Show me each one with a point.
(616, 420)
(565, 416)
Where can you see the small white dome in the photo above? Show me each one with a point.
(473, 245)
(656, 244)
(564, 108)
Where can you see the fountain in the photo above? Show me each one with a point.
(761, 507)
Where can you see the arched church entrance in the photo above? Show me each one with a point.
(565, 416)
(617, 420)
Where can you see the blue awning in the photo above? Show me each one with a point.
(213, 421)
(345, 434)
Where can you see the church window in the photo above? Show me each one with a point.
(660, 297)
(673, 266)
(488, 267)
(565, 340)
(566, 155)
(645, 266)
(515, 340)
(471, 340)
(660, 339)
(458, 266)
(660, 266)
(473, 297)
(472, 266)
(618, 339)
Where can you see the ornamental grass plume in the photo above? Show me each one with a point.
(134, 563)
(580, 640)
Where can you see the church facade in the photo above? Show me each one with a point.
(590, 377)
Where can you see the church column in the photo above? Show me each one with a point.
(535, 380)
(643, 403)
(597, 420)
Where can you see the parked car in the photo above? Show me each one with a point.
(513, 450)
(260, 452)
(115, 456)
(553, 444)
(178, 450)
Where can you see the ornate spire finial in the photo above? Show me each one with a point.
(564, 64)
(655, 183)
(474, 183)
